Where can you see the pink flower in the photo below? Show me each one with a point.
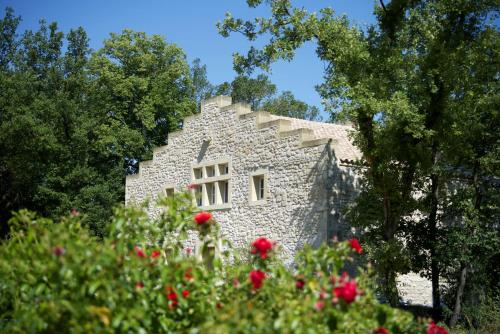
(435, 329)
(139, 251)
(381, 330)
(299, 284)
(58, 250)
(155, 254)
(192, 186)
(262, 246)
(319, 305)
(189, 250)
(185, 293)
(354, 243)
(346, 291)
(202, 217)
(257, 278)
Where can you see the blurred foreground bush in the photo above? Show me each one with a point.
(56, 278)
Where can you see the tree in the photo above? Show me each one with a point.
(203, 89)
(72, 125)
(286, 105)
(401, 83)
(142, 90)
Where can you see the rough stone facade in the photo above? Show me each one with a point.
(303, 166)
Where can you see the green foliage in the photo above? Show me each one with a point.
(58, 278)
(74, 123)
(421, 88)
(286, 105)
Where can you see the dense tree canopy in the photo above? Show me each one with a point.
(72, 123)
(421, 87)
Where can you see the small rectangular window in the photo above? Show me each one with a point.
(224, 191)
(259, 186)
(198, 196)
(169, 192)
(198, 173)
(210, 193)
(210, 171)
(223, 169)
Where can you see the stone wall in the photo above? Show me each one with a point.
(308, 185)
(298, 168)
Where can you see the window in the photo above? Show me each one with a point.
(210, 187)
(210, 171)
(198, 196)
(223, 169)
(258, 187)
(212, 181)
(169, 192)
(224, 191)
(197, 173)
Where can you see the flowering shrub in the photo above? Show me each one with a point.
(56, 278)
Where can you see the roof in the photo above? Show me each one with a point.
(343, 145)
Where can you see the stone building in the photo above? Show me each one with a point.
(259, 174)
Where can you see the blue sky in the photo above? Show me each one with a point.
(191, 25)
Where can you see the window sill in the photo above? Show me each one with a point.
(225, 206)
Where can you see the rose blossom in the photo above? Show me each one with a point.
(262, 246)
(435, 329)
(257, 278)
(202, 217)
(354, 243)
(172, 296)
(319, 305)
(381, 330)
(155, 254)
(299, 284)
(346, 291)
(139, 285)
(58, 250)
(139, 251)
(185, 293)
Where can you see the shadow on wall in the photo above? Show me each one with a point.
(333, 188)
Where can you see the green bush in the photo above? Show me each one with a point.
(56, 278)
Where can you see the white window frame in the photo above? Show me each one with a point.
(217, 200)
(253, 197)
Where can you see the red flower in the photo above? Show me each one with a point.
(381, 330)
(319, 305)
(155, 254)
(257, 278)
(172, 296)
(188, 274)
(185, 293)
(139, 251)
(192, 186)
(435, 329)
(299, 284)
(139, 285)
(262, 245)
(202, 217)
(58, 250)
(219, 306)
(346, 291)
(354, 243)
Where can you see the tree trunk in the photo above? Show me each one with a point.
(458, 298)
(432, 225)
